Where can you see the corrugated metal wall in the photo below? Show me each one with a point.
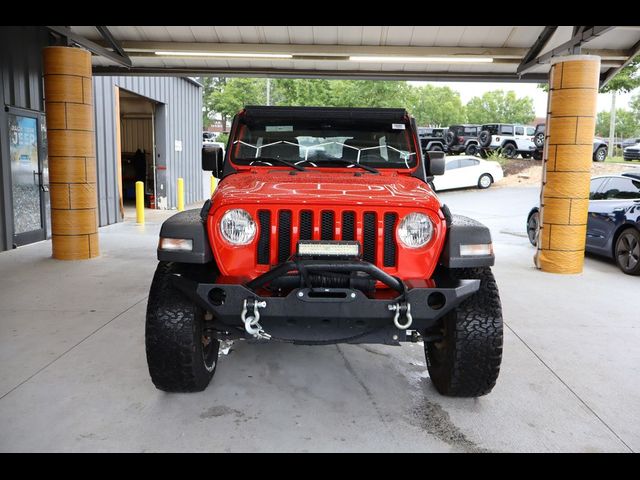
(20, 86)
(181, 120)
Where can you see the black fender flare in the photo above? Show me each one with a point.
(465, 231)
(191, 225)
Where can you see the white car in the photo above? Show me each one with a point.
(466, 171)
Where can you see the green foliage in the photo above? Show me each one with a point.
(626, 79)
(626, 124)
(223, 138)
(236, 93)
(498, 106)
(432, 105)
(634, 104)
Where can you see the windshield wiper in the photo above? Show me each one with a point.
(344, 160)
(276, 160)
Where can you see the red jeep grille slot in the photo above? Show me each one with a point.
(284, 235)
(264, 241)
(369, 238)
(390, 239)
(348, 226)
(306, 225)
(328, 228)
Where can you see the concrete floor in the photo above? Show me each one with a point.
(73, 374)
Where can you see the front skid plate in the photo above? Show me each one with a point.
(324, 313)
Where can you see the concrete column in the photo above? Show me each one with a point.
(564, 199)
(72, 157)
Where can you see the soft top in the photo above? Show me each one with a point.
(398, 115)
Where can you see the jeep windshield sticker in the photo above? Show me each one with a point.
(278, 128)
(398, 126)
(404, 155)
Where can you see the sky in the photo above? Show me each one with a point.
(469, 90)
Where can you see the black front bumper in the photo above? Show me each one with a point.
(327, 315)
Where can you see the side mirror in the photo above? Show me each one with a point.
(213, 160)
(436, 163)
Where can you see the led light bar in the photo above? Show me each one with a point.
(320, 248)
(176, 244)
(476, 250)
(222, 54)
(393, 59)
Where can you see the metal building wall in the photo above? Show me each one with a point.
(178, 118)
(20, 86)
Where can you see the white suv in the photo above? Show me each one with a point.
(509, 138)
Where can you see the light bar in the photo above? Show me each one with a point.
(223, 54)
(476, 250)
(393, 59)
(175, 244)
(310, 248)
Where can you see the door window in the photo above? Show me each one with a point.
(452, 165)
(468, 162)
(596, 183)
(519, 130)
(506, 129)
(622, 189)
(25, 171)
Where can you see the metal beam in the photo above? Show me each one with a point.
(538, 45)
(113, 43)
(576, 41)
(329, 74)
(90, 45)
(612, 72)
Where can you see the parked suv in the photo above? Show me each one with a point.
(463, 138)
(324, 230)
(507, 138)
(599, 146)
(432, 139)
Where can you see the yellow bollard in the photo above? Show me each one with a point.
(214, 184)
(180, 194)
(139, 202)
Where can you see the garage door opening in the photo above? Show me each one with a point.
(137, 150)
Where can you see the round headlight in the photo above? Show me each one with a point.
(237, 227)
(415, 230)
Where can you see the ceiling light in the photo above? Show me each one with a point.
(394, 59)
(224, 54)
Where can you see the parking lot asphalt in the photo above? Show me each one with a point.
(73, 374)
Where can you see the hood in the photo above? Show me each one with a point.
(322, 188)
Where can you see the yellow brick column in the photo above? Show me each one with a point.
(72, 158)
(564, 199)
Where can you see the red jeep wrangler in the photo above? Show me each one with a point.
(324, 229)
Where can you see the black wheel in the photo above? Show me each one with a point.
(472, 149)
(537, 155)
(533, 227)
(525, 155)
(465, 360)
(627, 251)
(450, 139)
(436, 148)
(181, 356)
(485, 181)
(600, 154)
(484, 138)
(538, 140)
(509, 150)
(483, 153)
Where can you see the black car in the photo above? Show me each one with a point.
(463, 139)
(600, 147)
(432, 139)
(613, 226)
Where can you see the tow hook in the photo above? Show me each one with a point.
(404, 309)
(251, 322)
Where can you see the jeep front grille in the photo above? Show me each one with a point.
(375, 232)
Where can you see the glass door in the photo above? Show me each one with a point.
(27, 188)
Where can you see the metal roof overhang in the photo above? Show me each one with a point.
(516, 53)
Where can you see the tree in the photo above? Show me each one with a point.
(300, 92)
(498, 106)
(210, 85)
(626, 123)
(634, 104)
(233, 94)
(432, 105)
(626, 79)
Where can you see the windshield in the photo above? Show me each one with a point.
(310, 143)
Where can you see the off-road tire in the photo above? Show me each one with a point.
(466, 362)
(450, 139)
(176, 355)
(484, 153)
(484, 138)
(537, 155)
(600, 155)
(538, 140)
(533, 227)
(627, 251)
(472, 149)
(509, 151)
